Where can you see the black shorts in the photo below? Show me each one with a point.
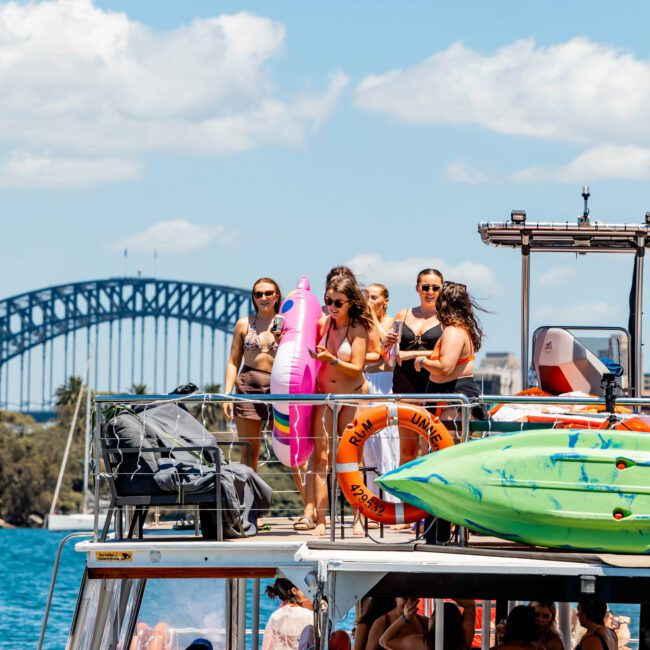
(466, 386)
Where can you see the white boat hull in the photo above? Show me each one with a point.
(74, 522)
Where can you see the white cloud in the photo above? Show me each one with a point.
(556, 276)
(175, 236)
(460, 171)
(578, 90)
(595, 313)
(25, 169)
(371, 267)
(77, 78)
(604, 161)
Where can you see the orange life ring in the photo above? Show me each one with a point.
(350, 450)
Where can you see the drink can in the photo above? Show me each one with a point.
(276, 325)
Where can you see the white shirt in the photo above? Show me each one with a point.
(285, 626)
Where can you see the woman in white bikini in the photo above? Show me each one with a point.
(253, 342)
(380, 451)
(342, 353)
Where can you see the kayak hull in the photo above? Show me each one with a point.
(569, 489)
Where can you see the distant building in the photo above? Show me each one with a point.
(499, 373)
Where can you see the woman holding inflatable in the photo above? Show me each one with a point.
(255, 344)
(420, 332)
(342, 352)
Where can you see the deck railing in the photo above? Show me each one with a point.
(461, 426)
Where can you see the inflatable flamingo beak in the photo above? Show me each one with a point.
(303, 283)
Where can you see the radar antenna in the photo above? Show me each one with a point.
(584, 219)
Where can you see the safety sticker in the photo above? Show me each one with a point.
(114, 556)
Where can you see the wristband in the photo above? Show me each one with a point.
(422, 359)
(335, 362)
(405, 619)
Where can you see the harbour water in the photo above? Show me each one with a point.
(26, 568)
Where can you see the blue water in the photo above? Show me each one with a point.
(26, 563)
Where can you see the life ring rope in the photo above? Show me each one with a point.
(350, 450)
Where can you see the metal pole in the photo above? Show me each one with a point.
(142, 331)
(165, 351)
(55, 571)
(29, 379)
(110, 356)
(51, 371)
(255, 615)
(98, 452)
(65, 358)
(486, 611)
(201, 367)
(84, 502)
(178, 354)
(638, 298)
(212, 359)
(96, 355)
(440, 624)
(241, 612)
(525, 308)
(334, 484)
(155, 354)
(74, 352)
(133, 351)
(189, 350)
(564, 623)
(22, 375)
(119, 356)
(44, 359)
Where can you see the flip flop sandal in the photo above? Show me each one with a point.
(304, 523)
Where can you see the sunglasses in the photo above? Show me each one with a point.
(433, 287)
(263, 294)
(337, 303)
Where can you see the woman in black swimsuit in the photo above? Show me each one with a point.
(420, 332)
(591, 615)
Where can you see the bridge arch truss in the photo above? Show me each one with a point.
(45, 333)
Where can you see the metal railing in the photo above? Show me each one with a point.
(460, 401)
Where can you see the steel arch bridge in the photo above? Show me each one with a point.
(45, 318)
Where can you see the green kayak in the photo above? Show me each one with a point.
(570, 489)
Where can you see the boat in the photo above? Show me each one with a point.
(122, 572)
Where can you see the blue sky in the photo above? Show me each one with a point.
(283, 138)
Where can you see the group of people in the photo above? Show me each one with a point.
(436, 349)
(387, 623)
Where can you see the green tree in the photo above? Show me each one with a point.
(138, 389)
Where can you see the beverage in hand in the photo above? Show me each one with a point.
(391, 352)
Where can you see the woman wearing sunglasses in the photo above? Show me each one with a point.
(450, 368)
(342, 352)
(253, 342)
(420, 332)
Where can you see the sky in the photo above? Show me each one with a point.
(248, 139)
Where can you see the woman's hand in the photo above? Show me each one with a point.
(227, 409)
(410, 608)
(324, 355)
(389, 339)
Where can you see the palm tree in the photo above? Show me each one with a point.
(138, 389)
(68, 392)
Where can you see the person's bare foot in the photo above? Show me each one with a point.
(319, 531)
(358, 529)
(400, 527)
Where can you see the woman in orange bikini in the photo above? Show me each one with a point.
(451, 366)
(253, 342)
(342, 353)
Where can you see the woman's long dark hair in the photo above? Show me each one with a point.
(456, 307)
(277, 290)
(359, 311)
(379, 605)
(336, 271)
(454, 638)
(282, 589)
(520, 625)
